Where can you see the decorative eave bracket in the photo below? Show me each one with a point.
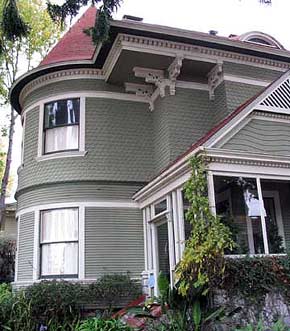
(159, 78)
(215, 77)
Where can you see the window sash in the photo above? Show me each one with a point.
(62, 138)
(59, 260)
(61, 113)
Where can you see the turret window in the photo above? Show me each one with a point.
(61, 125)
(59, 243)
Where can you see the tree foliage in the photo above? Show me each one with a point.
(202, 264)
(20, 48)
(70, 8)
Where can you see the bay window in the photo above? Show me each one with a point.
(251, 208)
(59, 243)
(61, 125)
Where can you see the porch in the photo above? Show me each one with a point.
(252, 200)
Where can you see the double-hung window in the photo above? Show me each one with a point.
(59, 237)
(61, 125)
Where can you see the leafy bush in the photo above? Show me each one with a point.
(7, 260)
(94, 324)
(254, 277)
(58, 304)
(54, 302)
(15, 310)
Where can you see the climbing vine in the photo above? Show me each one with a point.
(202, 265)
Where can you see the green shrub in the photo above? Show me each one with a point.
(15, 310)
(95, 324)
(58, 304)
(254, 277)
(7, 260)
(54, 302)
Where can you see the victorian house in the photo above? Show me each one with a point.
(108, 134)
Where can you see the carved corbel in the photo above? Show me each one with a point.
(215, 77)
(173, 72)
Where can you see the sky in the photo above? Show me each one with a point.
(225, 16)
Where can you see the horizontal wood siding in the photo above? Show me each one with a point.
(25, 247)
(71, 192)
(113, 241)
(260, 136)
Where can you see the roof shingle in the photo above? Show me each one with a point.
(75, 44)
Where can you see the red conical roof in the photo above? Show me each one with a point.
(75, 44)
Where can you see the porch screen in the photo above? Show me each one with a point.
(253, 220)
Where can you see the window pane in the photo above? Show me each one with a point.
(61, 139)
(59, 225)
(238, 205)
(276, 203)
(61, 112)
(59, 259)
(163, 249)
(160, 207)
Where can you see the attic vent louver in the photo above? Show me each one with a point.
(279, 98)
(132, 18)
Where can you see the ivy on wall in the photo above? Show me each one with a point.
(202, 266)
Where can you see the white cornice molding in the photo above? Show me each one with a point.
(200, 53)
(195, 35)
(57, 76)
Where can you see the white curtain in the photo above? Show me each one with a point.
(59, 225)
(62, 138)
(59, 257)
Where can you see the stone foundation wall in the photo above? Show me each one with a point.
(272, 307)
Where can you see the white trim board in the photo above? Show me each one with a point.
(97, 204)
(245, 80)
(87, 94)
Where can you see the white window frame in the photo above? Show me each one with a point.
(64, 276)
(81, 240)
(41, 156)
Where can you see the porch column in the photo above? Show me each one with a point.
(171, 241)
(176, 225)
(263, 221)
(181, 221)
(211, 195)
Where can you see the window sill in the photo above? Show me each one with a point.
(242, 256)
(61, 155)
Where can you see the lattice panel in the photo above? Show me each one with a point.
(280, 97)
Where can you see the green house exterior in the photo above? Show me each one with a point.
(108, 134)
